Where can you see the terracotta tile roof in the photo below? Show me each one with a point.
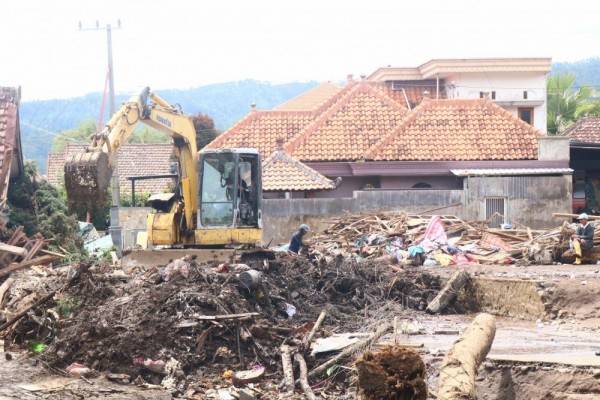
(311, 99)
(134, 160)
(345, 131)
(261, 129)
(585, 130)
(458, 130)
(281, 172)
(10, 149)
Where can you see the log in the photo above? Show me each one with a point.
(4, 287)
(459, 368)
(304, 378)
(35, 261)
(348, 351)
(288, 370)
(313, 331)
(448, 293)
(565, 215)
(16, 250)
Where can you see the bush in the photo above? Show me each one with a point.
(39, 207)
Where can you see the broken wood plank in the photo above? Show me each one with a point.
(566, 215)
(4, 287)
(449, 292)
(303, 377)
(288, 370)
(15, 250)
(459, 368)
(36, 261)
(382, 330)
(313, 331)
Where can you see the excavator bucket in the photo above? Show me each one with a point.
(87, 176)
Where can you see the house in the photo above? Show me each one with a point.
(516, 84)
(284, 176)
(135, 160)
(11, 155)
(407, 148)
(584, 139)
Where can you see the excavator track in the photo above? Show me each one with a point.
(87, 177)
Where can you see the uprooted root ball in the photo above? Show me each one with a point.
(395, 373)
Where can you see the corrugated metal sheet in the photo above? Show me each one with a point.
(511, 171)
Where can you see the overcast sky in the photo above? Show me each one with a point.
(180, 44)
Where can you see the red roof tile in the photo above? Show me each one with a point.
(585, 130)
(134, 160)
(345, 131)
(458, 130)
(281, 172)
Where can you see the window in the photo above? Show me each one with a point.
(217, 190)
(421, 185)
(526, 114)
(493, 95)
(495, 211)
(525, 94)
(484, 95)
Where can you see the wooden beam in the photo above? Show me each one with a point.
(9, 248)
(36, 261)
(565, 215)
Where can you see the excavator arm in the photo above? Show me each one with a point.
(87, 174)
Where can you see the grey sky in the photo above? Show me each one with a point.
(180, 44)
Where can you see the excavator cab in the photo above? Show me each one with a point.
(230, 190)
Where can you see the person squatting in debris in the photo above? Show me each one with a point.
(296, 241)
(583, 239)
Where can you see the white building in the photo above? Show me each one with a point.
(516, 84)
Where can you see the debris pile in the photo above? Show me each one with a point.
(173, 325)
(412, 240)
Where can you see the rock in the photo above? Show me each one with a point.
(246, 394)
(562, 314)
(119, 378)
(242, 378)
(76, 369)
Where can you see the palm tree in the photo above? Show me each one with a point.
(566, 103)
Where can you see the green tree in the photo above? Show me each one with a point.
(146, 134)
(205, 129)
(566, 103)
(81, 134)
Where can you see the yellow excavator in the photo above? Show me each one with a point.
(217, 198)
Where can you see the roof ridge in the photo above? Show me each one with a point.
(305, 170)
(490, 104)
(409, 118)
(353, 88)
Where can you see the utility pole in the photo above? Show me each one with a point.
(114, 228)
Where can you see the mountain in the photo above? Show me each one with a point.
(587, 71)
(224, 102)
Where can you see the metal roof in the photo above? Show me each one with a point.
(511, 171)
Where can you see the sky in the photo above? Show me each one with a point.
(182, 44)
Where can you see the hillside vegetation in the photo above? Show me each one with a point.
(224, 102)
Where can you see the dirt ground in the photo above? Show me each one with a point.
(118, 319)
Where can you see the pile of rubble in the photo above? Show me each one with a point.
(195, 328)
(411, 240)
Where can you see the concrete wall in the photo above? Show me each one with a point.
(553, 148)
(407, 182)
(132, 221)
(281, 217)
(509, 87)
(530, 200)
